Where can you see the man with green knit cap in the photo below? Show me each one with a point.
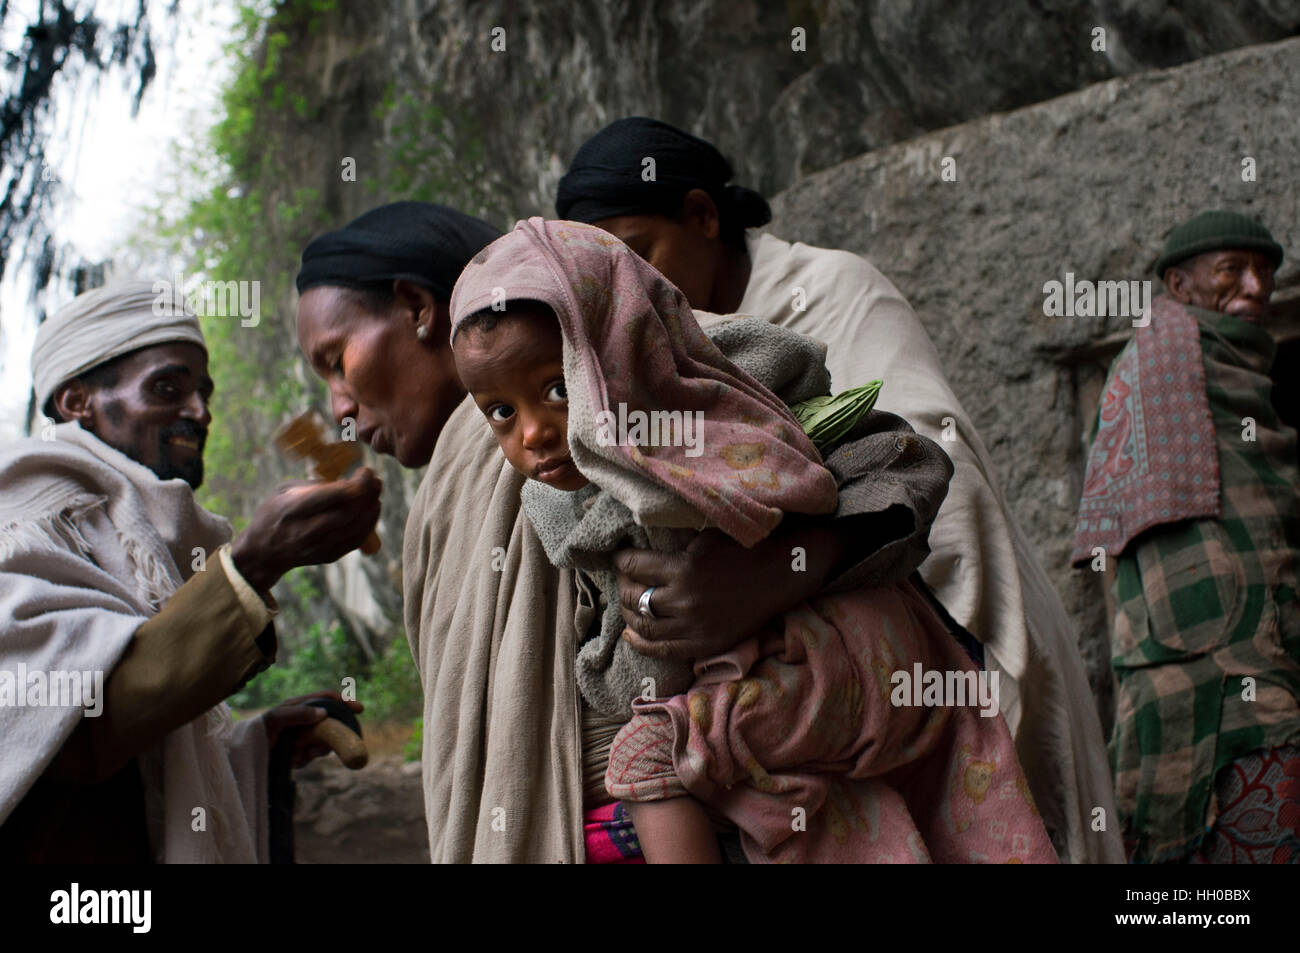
(1191, 490)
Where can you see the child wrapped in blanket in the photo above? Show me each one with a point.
(809, 737)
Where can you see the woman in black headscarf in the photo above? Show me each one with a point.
(373, 320)
(668, 195)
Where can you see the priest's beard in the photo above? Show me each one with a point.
(174, 463)
(177, 463)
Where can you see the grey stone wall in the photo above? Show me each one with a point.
(1088, 183)
(867, 74)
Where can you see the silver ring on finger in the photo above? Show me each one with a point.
(643, 604)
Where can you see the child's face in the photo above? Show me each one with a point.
(515, 373)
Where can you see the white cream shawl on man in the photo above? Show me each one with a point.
(982, 567)
(91, 545)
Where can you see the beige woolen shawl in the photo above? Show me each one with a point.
(491, 622)
(492, 628)
(91, 545)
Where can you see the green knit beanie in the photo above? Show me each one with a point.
(1217, 231)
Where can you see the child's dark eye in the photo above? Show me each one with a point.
(500, 413)
(557, 392)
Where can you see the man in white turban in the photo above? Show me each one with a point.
(127, 613)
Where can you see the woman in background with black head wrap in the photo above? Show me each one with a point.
(666, 194)
(373, 321)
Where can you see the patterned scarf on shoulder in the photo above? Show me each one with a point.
(1154, 459)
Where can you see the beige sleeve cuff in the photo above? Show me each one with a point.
(259, 612)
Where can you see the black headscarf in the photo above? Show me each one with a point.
(605, 177)
(427, 244)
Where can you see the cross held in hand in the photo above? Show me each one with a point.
(306, 437)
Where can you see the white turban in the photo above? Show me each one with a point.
(95, 327)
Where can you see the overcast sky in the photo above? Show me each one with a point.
(111, 166)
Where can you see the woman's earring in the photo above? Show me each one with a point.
(422, 332)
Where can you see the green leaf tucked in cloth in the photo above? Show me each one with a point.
(828, 419)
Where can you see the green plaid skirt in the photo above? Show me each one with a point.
(1206, 640)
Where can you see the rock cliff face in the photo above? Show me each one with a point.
(1088, 184)
(481, 105)
(784, 88)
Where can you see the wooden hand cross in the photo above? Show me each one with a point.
(306, 437)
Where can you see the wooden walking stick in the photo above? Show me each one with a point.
(342, 732)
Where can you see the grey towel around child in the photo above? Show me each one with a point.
(581, 530)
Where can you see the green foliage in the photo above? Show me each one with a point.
(260, 199)
(414, 748)
(302, 585)
(249, 224)
(319, 665)
(433, 153)
(389, 687)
